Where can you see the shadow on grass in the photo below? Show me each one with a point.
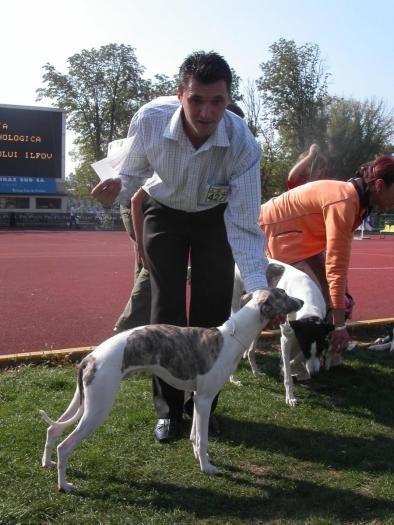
(361, 454)
(365, 388)
(277, 498)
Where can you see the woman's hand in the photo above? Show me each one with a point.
(339, 339)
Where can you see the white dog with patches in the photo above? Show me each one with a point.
(384, 343)
(191, 359)
(303, 335)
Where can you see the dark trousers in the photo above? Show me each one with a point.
(170, 238)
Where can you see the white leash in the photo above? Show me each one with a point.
(232, 333)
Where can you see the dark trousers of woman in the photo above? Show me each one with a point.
(170, 238)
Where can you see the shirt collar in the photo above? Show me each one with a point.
(174, 130)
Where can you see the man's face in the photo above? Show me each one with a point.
(203, 107)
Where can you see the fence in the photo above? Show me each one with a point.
(107, 220)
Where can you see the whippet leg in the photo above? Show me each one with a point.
(285, 345)
(97, 409)
(233, 379)
(53, 432)
(193, 433)
(202, 408)
(252, 360)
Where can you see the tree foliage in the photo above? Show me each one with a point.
(357, 132)
(287, 109)
(254, 110)
(84, 178)
(161, 85)
(102, 89)
(293, 88)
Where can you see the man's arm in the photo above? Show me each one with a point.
(134, 171)
(296, 174)
(245, 237)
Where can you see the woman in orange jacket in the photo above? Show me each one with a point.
(311, 227)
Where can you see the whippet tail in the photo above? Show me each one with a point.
(76, 408)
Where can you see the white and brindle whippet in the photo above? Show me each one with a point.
(303, 335)
(191, 359)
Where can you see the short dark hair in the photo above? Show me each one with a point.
(234, 108)
(206, 68)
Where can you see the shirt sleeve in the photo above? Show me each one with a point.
(246, 239)
(136, 168)
(339, 219)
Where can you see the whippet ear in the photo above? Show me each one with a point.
(274, 273)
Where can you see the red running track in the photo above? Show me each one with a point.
(66, 289)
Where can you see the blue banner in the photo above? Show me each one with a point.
(27, 185)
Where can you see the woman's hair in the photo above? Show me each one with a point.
(380, 168)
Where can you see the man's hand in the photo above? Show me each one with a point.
(313, 150)
(107, 191)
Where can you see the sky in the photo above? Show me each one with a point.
(355, 37)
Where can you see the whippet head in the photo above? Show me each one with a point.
(311, 334)
(275, 301)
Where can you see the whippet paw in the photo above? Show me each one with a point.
(210, 469)
(260, 375)
(48, 464)
(292, 401)
(235, 381)
(67, 488)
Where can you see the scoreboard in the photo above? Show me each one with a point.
(31, 143)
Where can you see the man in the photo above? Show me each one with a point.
(137, 310)
(311, 165)
(200, 167)
(311, 227)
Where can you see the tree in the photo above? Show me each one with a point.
(102, 89)
(253, 107)
(356, 133)
(100, 93)
(81, 182)
(235, 94)
(161, 85)
(274, 165)
(293, 87)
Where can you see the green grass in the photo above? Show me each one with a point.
(329, 460)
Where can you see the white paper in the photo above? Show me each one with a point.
(109, 167)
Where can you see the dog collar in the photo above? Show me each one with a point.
(233, 328)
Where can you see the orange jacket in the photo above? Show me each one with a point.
(310, 219)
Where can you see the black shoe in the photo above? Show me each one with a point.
(167, 430)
